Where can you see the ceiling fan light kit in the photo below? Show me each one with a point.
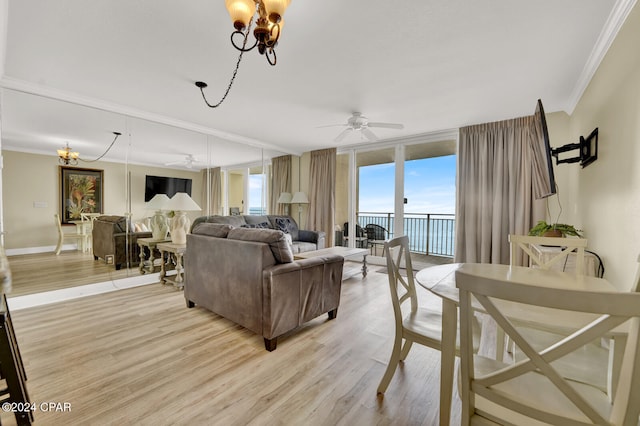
(268, 26)
(358, 122)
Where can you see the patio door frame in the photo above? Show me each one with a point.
(399, 146)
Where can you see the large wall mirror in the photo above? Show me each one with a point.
(34, 127)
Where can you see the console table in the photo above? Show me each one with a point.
(171, 253)
(148, 263)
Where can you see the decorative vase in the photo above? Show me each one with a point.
(159, 226)
(179, 228)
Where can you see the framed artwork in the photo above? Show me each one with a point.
(80, 192)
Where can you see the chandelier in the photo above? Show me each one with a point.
(66, 156)
(268, 26)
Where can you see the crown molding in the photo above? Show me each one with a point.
(74, 98)
(616, 19)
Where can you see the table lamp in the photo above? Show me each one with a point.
(159, 221)
(180, 224)
(285, 198)
(299, 198)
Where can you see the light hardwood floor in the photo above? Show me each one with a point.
(139, 356)
(36, 273)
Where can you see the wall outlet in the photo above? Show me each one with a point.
(40, 205)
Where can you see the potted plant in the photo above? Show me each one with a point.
(543, 229)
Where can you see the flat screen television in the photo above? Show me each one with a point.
(544, 182)
(165, 185)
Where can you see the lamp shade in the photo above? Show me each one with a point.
(182, 202)
(300, 198)
(158, 202)
(241, 12)
(285, 198)
(275, 8)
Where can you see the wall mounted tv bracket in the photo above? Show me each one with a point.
(588, 150)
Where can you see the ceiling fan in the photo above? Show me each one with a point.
(358, 122)
(188, 162)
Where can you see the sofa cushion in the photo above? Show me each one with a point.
(301, 247)
(229, 220)
(287, 225)
(253, 219)
(276, 240)
(219, 230)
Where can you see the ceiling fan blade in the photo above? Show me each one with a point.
(386, 125)
(342, 134)
(369, 134)
(332, 125)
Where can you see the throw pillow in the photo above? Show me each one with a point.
(287, 225)
(289, 241)
(218, 230)
(276, 240)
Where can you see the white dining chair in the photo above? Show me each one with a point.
(417, 324)
(80, 239)
(522, 246)
(533, 391)
(87, 228)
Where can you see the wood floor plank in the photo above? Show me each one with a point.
(139, 356)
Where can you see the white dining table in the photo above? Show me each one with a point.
(441, 281)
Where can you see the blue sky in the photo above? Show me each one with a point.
(430, 186)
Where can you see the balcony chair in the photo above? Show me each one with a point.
(533, 391)
(361, 236)
(80, 239)
(376, 236)
(419, 324)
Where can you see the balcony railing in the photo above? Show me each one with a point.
(429, 233)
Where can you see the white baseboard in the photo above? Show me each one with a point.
(53, 296)
(35, 250)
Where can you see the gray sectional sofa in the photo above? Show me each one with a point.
(249, 276)
(302, 240)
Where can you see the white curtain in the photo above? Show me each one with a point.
(322, 188)
(495, 189)
(280, 182)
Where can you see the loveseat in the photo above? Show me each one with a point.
(302, 240)
(109, 239)
(249, 276)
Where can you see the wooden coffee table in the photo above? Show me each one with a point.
(347, 253)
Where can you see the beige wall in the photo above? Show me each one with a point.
(604, 198)
(32, 178)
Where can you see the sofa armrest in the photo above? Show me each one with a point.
(316, 237)
(296, 292)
